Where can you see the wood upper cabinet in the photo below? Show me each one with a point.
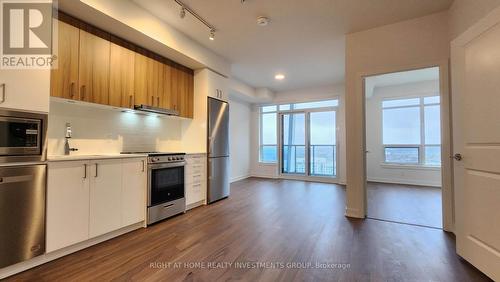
(121, 77)
(97, 67)
(94, 68)
(64, 78)
(140, 80)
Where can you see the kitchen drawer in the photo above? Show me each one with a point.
(196, 178)
(193, 160)
(195, 169)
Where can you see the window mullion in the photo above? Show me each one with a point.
(422, 131)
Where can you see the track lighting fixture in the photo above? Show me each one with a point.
(182, 14)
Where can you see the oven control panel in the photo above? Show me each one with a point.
(166, 159)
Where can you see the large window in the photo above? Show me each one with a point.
(412, 131)
(268, 152)
(268, 134)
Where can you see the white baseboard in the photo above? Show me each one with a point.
(405, 181)
(238, 178)
(264, 176)
(25, 265)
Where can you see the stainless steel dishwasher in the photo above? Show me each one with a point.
(22, 212)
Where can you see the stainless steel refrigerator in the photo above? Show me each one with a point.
(218, 150)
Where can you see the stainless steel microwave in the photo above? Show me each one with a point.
(22, 136)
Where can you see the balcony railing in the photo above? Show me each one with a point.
(322, 160)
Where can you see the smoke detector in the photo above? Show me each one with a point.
(262, 21)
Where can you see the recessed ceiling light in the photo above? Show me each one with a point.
(279, 76)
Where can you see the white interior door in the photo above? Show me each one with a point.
(476, 124)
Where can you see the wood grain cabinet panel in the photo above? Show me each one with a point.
(121, 77)
(64, 78)
(166, 101)
(94, 68)
(140, 80)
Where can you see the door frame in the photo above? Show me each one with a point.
(447, 190)
(306, 176)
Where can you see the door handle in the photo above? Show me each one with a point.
(3, 93)
(458, 157)
(72, 90)
(96, 170)
(143, 166)
(84, 171)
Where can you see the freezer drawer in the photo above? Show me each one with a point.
(22, 213)
(218, 178)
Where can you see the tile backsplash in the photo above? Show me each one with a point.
(98, 130)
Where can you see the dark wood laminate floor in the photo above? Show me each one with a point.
(268, 221)
(405, 203)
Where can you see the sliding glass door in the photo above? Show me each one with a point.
(293, 150)
(308, 143)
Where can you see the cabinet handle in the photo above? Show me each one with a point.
(158, 101)
(96, 170)
(82, 92)
(152, 100)
(130, 101)
(3, 93)
(143, 166)
(72, 90)
(84, 171)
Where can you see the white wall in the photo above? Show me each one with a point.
(99, 130)
(376, 170)
(239, 138)
(301, 95)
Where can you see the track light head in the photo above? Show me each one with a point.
(182, 14)
(212, 34)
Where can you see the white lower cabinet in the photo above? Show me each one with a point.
(67, 204)
(105, 196)
(196, 180)
(86, 199)
(133, 201)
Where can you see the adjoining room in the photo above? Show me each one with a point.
(403, 143)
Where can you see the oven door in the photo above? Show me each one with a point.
(165, 182)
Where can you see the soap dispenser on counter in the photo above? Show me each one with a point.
(67, 148)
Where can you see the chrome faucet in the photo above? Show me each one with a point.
(67, 148)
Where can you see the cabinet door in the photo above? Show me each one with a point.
(121, 77)
(94, 68)
(167, 102)
(25, 89)
(190, 96)
(217, 86)
(140, 80)
(67, 204)
(174, 88)
(105, 196)
(133, 191)
(64, 78)
(161, 85)
(152, 81)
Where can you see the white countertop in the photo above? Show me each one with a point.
(60, 158)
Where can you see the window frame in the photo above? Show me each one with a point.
(421, 147)
(278, 112)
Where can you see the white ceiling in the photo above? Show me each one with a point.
(398, 78)
(305, 39)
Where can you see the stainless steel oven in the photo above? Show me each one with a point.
(166, 192)
(23, 136)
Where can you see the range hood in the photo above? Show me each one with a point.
(150, 109)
